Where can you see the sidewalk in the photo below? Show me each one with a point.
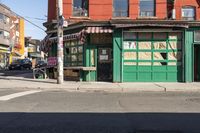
(49, 84)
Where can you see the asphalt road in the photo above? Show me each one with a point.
(99, 112)
(14, 72)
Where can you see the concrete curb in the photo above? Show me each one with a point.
(50, 85)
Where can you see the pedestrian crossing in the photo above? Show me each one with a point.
(18, 94)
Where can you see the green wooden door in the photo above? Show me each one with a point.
(152, 57)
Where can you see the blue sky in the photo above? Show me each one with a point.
(30, 9)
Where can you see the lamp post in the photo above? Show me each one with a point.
(60, 21)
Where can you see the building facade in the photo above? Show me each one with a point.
(17, 41)
(5, 14)
(128, 40)
(11, 36)
(33, 52)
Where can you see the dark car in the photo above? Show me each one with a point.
(41, 63)
(20, 64)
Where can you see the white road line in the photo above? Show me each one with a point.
(19, 94)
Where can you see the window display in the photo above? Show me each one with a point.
(73, 54)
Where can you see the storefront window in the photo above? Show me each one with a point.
(160, 45)
(145, 36)
(144, 45)
(175, 36)
(129, 36)
(73, 53)
(152, 48)
(130, 56)
(144, 56)
(160, 36)
(147, 8)
(120, 8)
(197, 36)
(80, 8)
(130, 45)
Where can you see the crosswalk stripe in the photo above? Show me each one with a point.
(19, 94)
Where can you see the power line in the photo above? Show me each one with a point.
(41, 19)
(27, 19)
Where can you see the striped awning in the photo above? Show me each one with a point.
(67, 37)
(99, 30)
(45, 43)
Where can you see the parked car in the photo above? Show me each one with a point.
(20, 64)
(41, 63)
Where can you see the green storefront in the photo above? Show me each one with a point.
(134, 51)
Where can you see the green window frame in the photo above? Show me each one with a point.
(73, 53)
(152, 48)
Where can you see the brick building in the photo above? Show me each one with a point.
(11, 36)
(128, 40)
(5, 14)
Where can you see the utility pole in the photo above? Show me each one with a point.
(60, 21)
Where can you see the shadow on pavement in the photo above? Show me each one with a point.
(99, 123)
(21, 75)
(17, 73)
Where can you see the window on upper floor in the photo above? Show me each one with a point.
(120, 8)
(1, 16)
(4, 34)
(80, 8)
(188, 13)
(147, 8)
(4, 18)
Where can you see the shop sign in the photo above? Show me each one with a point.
(103, 57)
(52, 61)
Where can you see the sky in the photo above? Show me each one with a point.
(30, 9)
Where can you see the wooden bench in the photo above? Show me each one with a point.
(81, 69)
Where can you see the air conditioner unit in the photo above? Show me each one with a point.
(173, 14)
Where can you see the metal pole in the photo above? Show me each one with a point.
(60, 42)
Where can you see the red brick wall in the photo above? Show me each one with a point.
(133, 9)
(51, 10)
(180, 3)
(102, 9)
(161, 9)
(67, 8)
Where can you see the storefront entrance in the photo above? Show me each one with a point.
(104, 69)
(197, 63)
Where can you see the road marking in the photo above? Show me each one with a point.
(19, 94)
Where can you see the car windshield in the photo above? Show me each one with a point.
(25, 61)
